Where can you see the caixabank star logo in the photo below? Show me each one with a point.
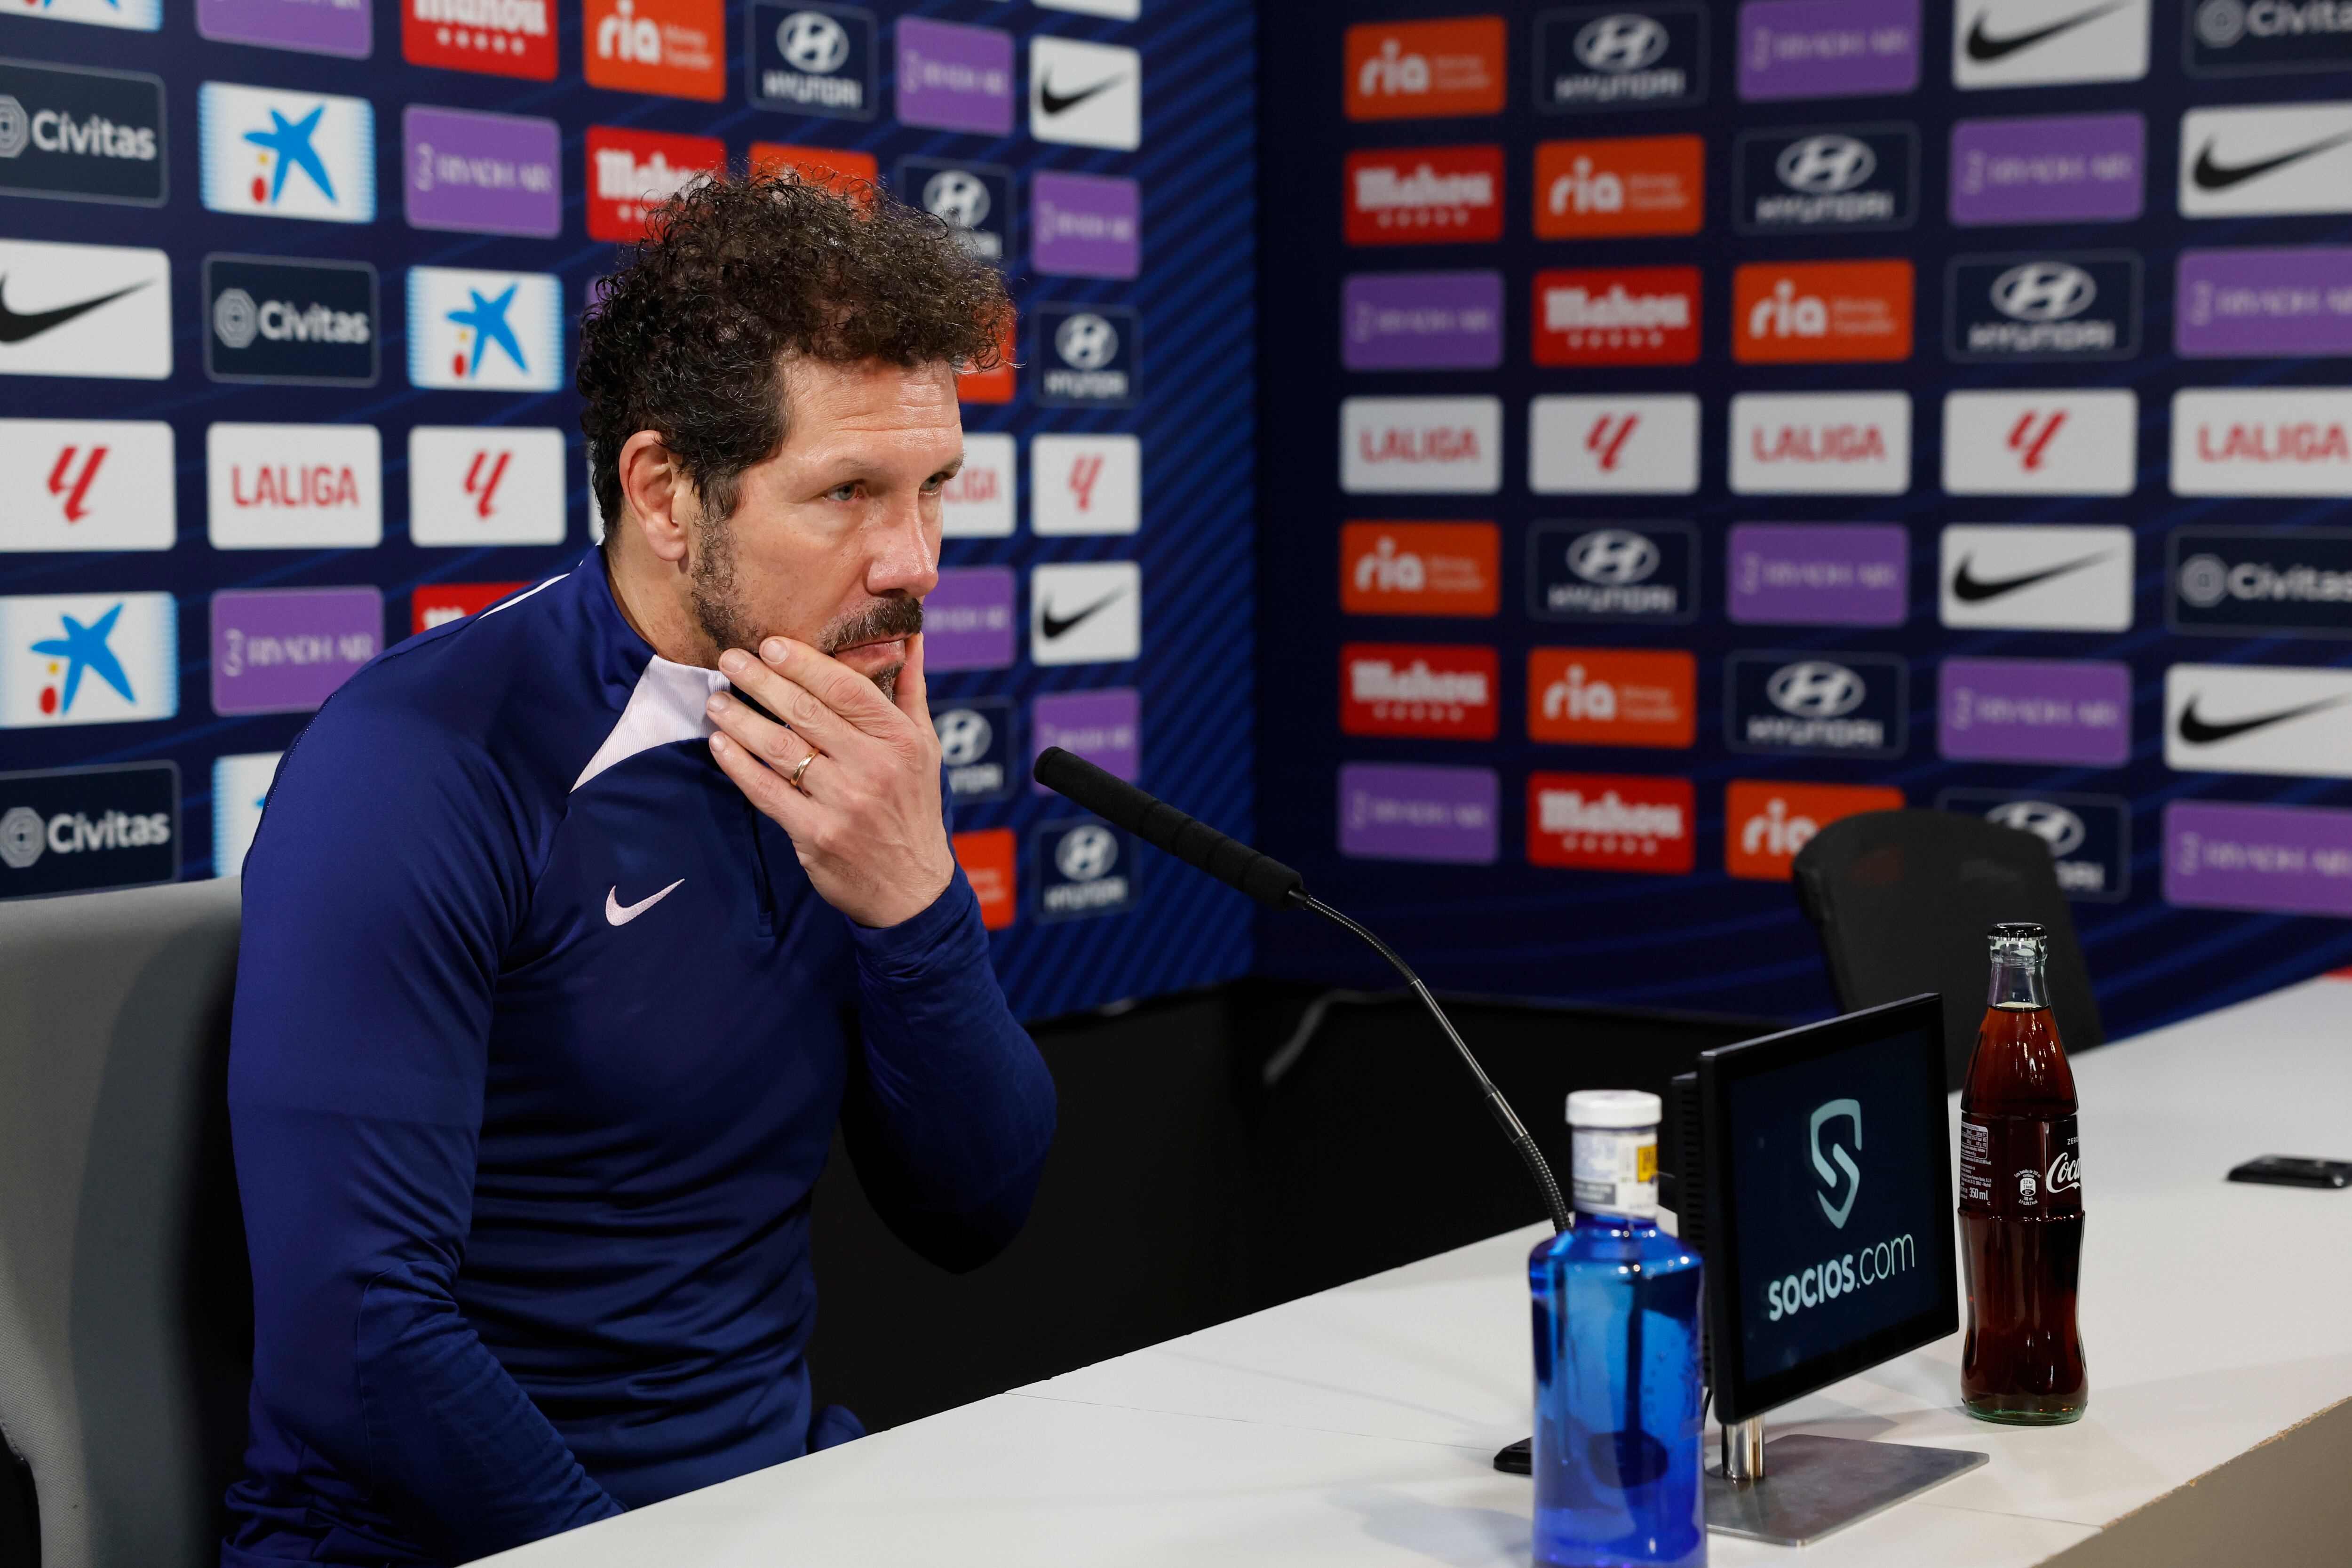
(275, 152)
(485, 331)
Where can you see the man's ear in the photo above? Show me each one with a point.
(661, 500)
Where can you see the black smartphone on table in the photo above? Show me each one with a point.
(2293, 1171)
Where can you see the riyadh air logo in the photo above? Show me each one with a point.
(485, 331)
(276, 153)
(1837, 1212)
(87, 658)
(2040, 43)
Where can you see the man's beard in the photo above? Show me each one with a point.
(710, 589)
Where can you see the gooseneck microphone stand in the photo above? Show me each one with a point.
(1277, 887)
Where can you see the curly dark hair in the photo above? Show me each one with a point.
(737, 275)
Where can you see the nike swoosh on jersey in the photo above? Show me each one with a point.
(620, 914)
(2210, 175)
(1052, 102)
(1984, 48)
(1974, 590)
(2203, 732)
(1053, 626)
(16, 328)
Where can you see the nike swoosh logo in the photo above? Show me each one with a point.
(620, 914)
(1052, 102)
(2201, 732)
(15, 327)
(1970, 589)
(2212, 176)
(1984, 48)
(1054, 625)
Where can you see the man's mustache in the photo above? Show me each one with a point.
(883, 620)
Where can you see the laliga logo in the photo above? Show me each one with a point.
(957, 197)
(1086, 852)
(626, 36)
(1606, 440)
(1815, 689)
(811, 41)
(1613, 557)
(2043, 291)
(1391, 571)
(1619, 44)
(2031, 434)
(1824, 165)
(1086, 341)
(2054, 825)
(1393, 73)
(1785, 314)
(1576, 699)
(964, 737)
(1831, 1111)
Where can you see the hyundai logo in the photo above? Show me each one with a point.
(1621, 43)
(964, 737)
(1815, 689)
(813, 42)
(1613, 557)
(1086, 852)
(2043, 291)
(1826, 164)
(2054, 825)
(958, 196)
(1086, 341)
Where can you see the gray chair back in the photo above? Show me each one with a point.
(125, 1298)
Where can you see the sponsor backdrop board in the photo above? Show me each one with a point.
(289, 303)
(1760, 411)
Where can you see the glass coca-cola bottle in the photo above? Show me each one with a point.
(2021, 1201)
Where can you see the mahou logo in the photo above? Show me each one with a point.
(1619, 185)
(630, 172)
(2229, 442)
(1611, 822)
(2075, 442)
(675, 47)
(1612, 697)
(1427, 689)
(1424, 196)
(1785, 312)
(496, 37)
(1415, 70)
(1420, 569)
(1821, 443)
(1421, 446)
(1765, 822)
(278, 487)
(1616, 315)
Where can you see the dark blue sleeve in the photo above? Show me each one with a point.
(950, 1108)
(379, 895)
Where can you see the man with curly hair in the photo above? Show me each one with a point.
(572, 931)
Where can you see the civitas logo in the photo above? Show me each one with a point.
(238, 322)
(24, 834)
(54, 130)
(1838, 1212)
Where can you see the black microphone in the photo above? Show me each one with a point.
(1277, 887)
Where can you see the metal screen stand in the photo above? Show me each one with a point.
(1798, 1489)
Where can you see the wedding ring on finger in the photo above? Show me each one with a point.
(795, 780)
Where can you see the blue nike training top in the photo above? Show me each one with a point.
(540, 1038)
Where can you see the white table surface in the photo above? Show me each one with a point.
(1357, 1427)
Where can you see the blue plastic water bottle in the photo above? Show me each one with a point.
(1618, 1385)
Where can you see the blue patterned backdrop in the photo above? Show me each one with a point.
(1193, 306)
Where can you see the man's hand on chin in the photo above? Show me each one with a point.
(865, 817)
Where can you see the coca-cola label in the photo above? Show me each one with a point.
(2021, 1167)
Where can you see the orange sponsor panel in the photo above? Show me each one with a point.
(675, 48)
(1619, 185)
(836, 168)
(1612, 697)
(986, 855)
(1793, 311)
(1765, 822)
(1420, 569)
(1421, 70)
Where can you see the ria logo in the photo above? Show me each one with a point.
(2043, 291)
(1826, 164)
(1619, 44)
(1834, 1111)
(1815, 689)
(1613, 557)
